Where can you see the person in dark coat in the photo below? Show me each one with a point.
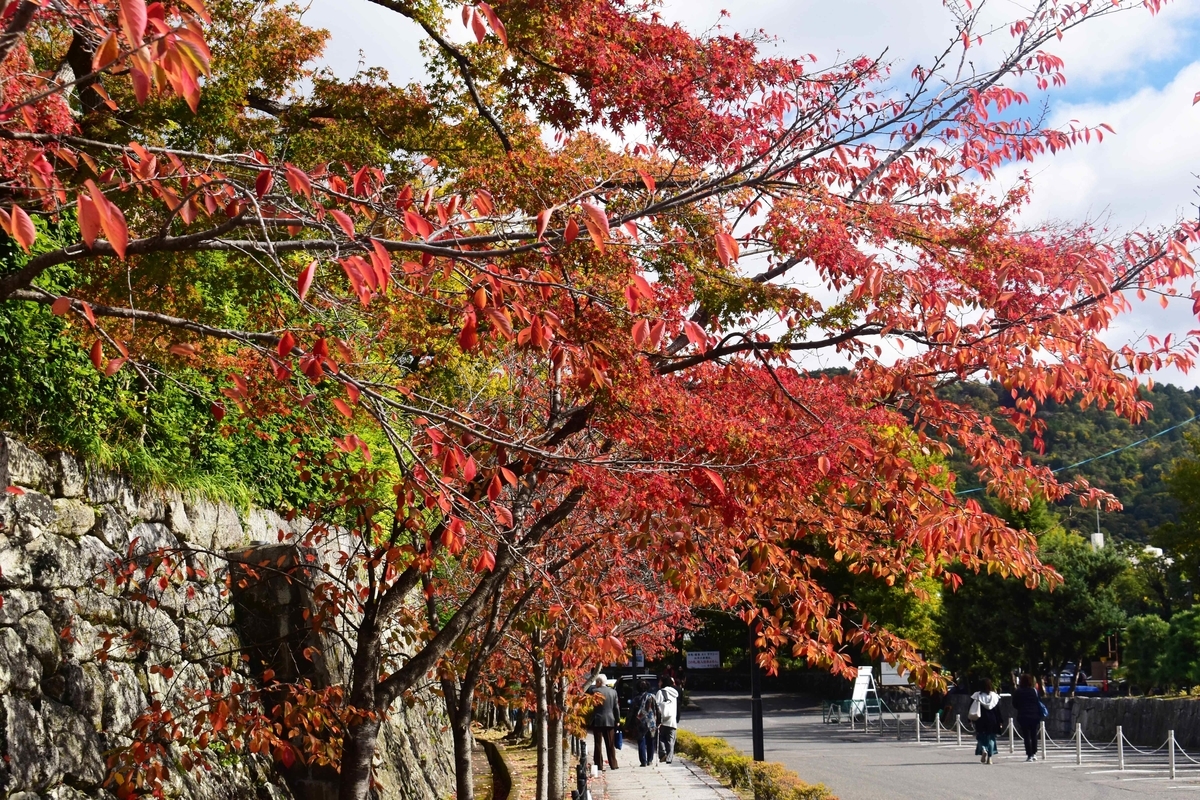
(604, 722)
(1027, 707)
(987, 726)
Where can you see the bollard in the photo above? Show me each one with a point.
(937, 721)
(1171, 751)
(917, 720)
(958, 727)
(1120, 749)
(1078, 743)
(1011, 745)
(1042, 736)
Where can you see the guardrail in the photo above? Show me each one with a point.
(579, 748)
(1118, 755)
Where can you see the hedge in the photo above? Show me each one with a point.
(767, 780)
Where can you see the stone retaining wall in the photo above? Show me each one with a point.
(61, 708)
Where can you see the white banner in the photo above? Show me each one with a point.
(704, 659)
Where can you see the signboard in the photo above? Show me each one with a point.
(890, 676)
(862, 683)
(704, 659)
(639, 659)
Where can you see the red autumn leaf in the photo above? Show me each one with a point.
(641, 332)
(597, 215)
(263, 183)
(182, 349)
(494, 23)
(218, 411)
(642, 286)
(345, 410)
(60, 306)
(696, 335)
(132, 14)
(571, 231)
(298, 180)
(287, 343)
(14, 490)
(656, 333)
(88, 218)
(417, 225)
(467, 337)
(484, 203)
(494, 488)
(543, 222)
(503, 515)
(343, 220)
(727, 249)
(486, 562)
(113, 367)
(23, 231)
(823, 464)
(87, 312)
(648, 180)
(716, 480)
(477, 27)
(305, 278)
(97, 355)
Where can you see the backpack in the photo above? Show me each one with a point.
(647, 715)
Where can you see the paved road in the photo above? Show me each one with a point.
(867, 767)
(679, 780)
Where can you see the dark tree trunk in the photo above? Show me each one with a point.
(358, 751)
(459, 701)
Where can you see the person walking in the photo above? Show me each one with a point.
(604, 722)
(985, 713)
(645, 709)
(1027, 707)
(668, 716)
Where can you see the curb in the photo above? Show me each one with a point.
(502, 780)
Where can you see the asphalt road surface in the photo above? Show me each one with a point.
(857, 766)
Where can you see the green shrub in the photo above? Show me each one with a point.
(767, 781)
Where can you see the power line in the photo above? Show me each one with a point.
(1193, 418)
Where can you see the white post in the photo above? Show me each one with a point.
(1011, 745)
(851, 715)
(1120, 749)
(1078, 743)
(1171, 751)
(1042, 736)
(958, 727)
(917, 720)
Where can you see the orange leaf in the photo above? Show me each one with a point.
(543, 222)
(343, 407)
(286, 343)
(88, 217)
(183, 349)
(503, 516)
(648, 179)
(60, 306)
(598, 237)
(571, 231)
(22, 228)
(823, 464)
(715, 478)
(467, 337)
(106, 53)
(597, 215)
(97, 354)
(113, 367)
(263, 183)
(641, 332)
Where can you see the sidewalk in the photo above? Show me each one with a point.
(680, 780)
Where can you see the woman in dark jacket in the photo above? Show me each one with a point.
(1027, 707)
(988, 724)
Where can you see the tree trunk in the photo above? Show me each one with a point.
(358, 751)
(459, 701)
(557, 752)
(541, 717)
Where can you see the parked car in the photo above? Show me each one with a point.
(627, 691)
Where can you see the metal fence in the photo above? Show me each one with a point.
(1119, 755)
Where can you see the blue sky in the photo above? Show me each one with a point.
(1134, 71)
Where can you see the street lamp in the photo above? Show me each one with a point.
(756, 714)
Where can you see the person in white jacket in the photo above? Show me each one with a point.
(668, 714)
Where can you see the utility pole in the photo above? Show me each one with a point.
(756, 717)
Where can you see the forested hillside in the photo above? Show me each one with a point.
(1136, 476)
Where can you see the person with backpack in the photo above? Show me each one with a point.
(668, 718)
(985, 713)
(1030, 711)
(646, 714)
